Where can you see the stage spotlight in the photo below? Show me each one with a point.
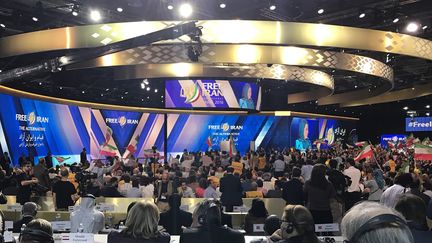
(75, 10)
(395, 20)
(222, 5)
(145, 81)
(35, 19)
(83, 92)
(170, 7)
(74, 13)
(185, 10)
(119, 9)
(3, 25)
(427, 114)
(148, 88)
(362, 15)
(427, 106)
(406, 108)
(412, 27)
(95, 15)
(320, 11)
(156, 90)
(142, 85)
(424, 27)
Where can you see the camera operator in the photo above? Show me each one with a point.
(64, 192)
(25, 180)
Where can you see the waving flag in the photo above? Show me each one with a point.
(108, 148)
(132, 147)
(209, 142)
(61, 159)
(367, 152)
(360, 144)
(422, 152)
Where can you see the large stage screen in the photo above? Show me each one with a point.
(120, 133)
(212, 94)
(332, 131)
(304, 132)
(34, 128)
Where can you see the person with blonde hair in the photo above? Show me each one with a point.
(141, 226)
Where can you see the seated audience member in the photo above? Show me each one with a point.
(185, 191)
(134, 191)
(141, 226)
(202, 185)
(210, 191)
(271, 224)
(276, 192)
(64, 192)
(253, 193)
(110, 189)
(297, 225)
(147, 188)
(37, 231)
(207, 227)
(173, 219)
(257, 214)
(415, 190)
(28, 212)
(372, 222)
(127, 213)
(413, 209)
(86, 218)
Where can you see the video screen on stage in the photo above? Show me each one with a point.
(205, 132)
(330, 131)
(212, 94)
(304, 132)
(122, 133)
(33, 128)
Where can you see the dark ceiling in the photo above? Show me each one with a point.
(16, 17)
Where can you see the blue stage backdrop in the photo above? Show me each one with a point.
(33, 128)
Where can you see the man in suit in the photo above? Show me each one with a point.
(231, 189)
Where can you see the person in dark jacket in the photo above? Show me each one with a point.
(256, 215)
(110, 189)
(231, 189)
(29, 211)
(292, 190)
(413, 208)
(207, 227)
(173, 219)
(141, 226)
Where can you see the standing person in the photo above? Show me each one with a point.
(401, 185)
(306, 170)
(165, 188)
(318, 192)
(353, 194)
(48, 161)
(292, 190)
(279, 167)
(371, 187)
(25, 180)
(174, 219)
(83, 156)
(231, 189)
(210, 191)
(40, 171)
(5, 163)
(64, 192)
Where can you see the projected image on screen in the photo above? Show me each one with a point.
(212, 94)
(304, 132)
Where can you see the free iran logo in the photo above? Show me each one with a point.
(31, 118)
(122, 121)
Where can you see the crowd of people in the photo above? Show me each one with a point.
(384, 192)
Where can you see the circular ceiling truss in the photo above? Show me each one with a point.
(227, 33)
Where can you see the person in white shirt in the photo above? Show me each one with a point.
(279, 166)
(306, 170)
(353, 192)
(401, 186)
(134, 191)
(185, 191)
(147, 188)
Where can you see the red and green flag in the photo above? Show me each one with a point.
(422, 152)
(366, 152)
(132, 147)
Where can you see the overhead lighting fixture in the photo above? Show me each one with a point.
(74, 13)
(362, 15)
(60, 87)
(83, 92)
(170, 7)
(427, 106)
(156, 90)
(122, 97)
(222, 5)
(3, 25)
(412, 27)
(145, 81)
(35, 19)
(424, 27)
(142, 85)
(320, 11)
(185, 10)
(119, 9)
(95, 15)
(427, 114)
(148, 88)
(406, 108)
(75, 10)
(395, 20)
(272, 7)
(355, 87)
